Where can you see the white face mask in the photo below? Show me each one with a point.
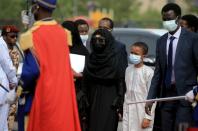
(170, 25)
(84, 39)
(134, 59)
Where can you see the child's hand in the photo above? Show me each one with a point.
(145, 123)
(119, 116)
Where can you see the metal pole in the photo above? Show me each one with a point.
(160, 99)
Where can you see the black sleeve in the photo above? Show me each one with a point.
(155, 83)
(125, 57)
(121, 86)
(195, 52)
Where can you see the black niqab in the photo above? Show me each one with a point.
(103, 65)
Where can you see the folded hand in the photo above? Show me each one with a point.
(148, 107)
(190, 96)
(146, 123)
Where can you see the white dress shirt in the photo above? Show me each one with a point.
(175, 42)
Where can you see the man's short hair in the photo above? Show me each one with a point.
(142, 45)
(81, 22)
(110, 21)
(172, 6)
(191, 20)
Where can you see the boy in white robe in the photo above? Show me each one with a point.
(138, 78)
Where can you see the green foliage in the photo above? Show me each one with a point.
(124, 11)
(193, 4)
(63, 10)
(151, 19)
(11, 11)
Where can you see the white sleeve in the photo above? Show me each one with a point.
(149, 78)
(6, 64)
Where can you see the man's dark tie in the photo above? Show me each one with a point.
(169, 65)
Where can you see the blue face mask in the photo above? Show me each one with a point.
(134, 59)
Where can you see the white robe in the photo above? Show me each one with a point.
(138, 83)
(7, 75)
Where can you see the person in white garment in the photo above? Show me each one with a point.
(10, 35)
(138, 78)
(8, 82)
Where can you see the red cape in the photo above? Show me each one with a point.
(54, 105)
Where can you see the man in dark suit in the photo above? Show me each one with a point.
(176, 69)
(190, 22)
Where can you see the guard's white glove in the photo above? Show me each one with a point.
(190, 96)
(25, 17)
(11, 96)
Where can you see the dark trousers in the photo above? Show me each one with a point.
(175, 113)
(20, 117)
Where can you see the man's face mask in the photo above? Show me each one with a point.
(84, 39)
(98, 44)
(170, 25)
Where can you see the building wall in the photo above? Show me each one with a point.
(158, 4)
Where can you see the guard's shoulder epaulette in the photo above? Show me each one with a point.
(26, 40)
(69, 38)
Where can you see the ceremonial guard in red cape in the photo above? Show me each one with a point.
(47, 74)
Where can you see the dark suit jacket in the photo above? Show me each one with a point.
(185, 66)
(88, 46)
(121, 48)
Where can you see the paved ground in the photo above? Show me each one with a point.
(119, 127)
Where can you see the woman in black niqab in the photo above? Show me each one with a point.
(103, 82)
(79, 49)
(102, 64)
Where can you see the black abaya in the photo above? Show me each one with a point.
(102, 84)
